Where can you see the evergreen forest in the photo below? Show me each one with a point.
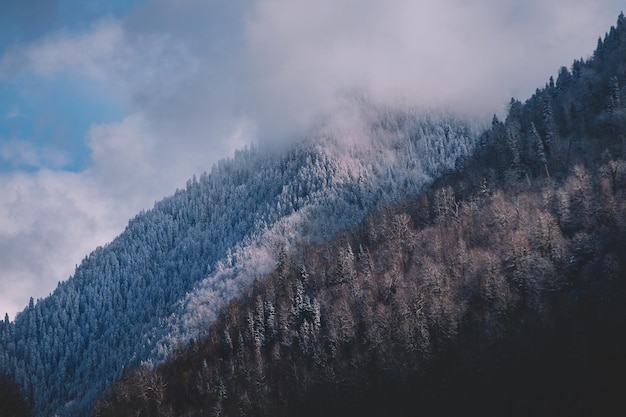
(438, 267)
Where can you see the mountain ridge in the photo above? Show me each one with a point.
(499, 290)
(526, 185)
(156, 285)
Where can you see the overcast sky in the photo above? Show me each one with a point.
(106, 107)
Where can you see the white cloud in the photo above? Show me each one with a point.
(104, 54)
(471, 56)
(194, 67)
(24, 154)
(48, 222)
(123, 156)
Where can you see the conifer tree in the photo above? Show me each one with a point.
(549, 126)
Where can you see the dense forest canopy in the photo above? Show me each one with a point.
(499, 290)
(159, 283)
(426, 270)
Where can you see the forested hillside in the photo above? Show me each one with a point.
(501, 290)
(159, 283)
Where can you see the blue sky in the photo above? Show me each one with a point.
(106, 107)
(52, 114)
(28, 20)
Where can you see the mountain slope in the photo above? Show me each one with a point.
(162, 280)
(501, 290)
(493, 307)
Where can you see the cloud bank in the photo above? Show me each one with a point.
(195, 80)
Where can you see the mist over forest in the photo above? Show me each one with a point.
(393, 260)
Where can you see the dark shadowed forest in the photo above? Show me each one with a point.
(12, 401)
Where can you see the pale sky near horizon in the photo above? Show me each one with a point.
(107, 107)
